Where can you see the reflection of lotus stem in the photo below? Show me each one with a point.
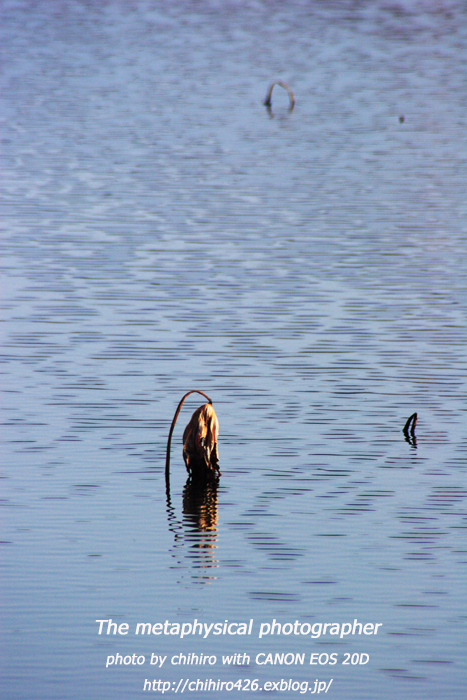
(169, 441)
(267, 101)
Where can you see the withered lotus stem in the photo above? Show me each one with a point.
(177, 413)
(409, 427)
(268, 99)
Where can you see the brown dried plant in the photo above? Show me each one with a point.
(200, 450)
(200, 441)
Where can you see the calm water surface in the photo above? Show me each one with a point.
(163, 232)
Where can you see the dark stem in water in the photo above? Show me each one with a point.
(409, 430)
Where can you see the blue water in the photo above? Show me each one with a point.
(162, 232)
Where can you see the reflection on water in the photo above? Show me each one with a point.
(200, 505)
(197, 533)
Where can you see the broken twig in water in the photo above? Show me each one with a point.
(200, 450)
(268, 102)
(409, 430)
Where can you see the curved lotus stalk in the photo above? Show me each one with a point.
(409, 430)
(268, 100)
(200, 450)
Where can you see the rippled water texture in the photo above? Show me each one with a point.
(162, 232)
